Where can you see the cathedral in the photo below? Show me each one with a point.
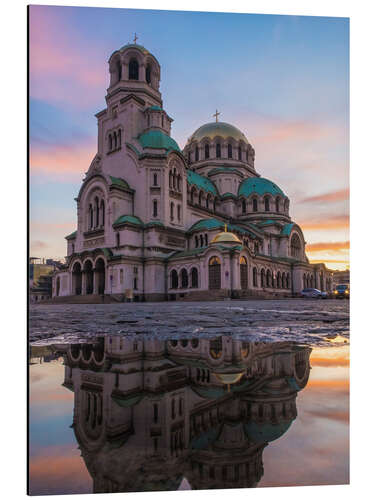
(155, 222)
(150, 412)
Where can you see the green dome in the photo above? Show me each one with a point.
(218, 129)
(156, 139)
(258, 185)
(266, 432)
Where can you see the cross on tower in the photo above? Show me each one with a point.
(135, 38)
(216, 115)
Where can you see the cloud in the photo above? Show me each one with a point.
(330, 362)
(338, 416)
(38, 245)
(342, 194)
(336, 246)
(329, 261)
(324, 223)
(62, 69)
(66, 162)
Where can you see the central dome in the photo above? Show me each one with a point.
(218, 129)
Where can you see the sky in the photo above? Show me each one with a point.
(282, 80)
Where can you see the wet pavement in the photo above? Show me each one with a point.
(150, 397)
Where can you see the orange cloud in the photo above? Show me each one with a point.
(339, 385)
(331, 246)
(333, 196)
(329, 362)
(336, 222)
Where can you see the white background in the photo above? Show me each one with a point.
(13, 283)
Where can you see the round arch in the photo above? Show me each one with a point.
(214, 273)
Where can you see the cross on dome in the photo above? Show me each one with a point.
(135, 38)
(216, 115)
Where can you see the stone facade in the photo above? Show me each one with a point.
(157, 223)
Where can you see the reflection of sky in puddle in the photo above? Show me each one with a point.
(314, 450)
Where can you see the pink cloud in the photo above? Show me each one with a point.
(342, 194)
(60, 69)
(72, 161)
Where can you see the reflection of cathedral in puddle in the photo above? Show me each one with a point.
(148, 413)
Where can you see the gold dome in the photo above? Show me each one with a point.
(229, 378)
(225, 237)
(218, 129)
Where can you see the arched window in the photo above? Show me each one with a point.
(196, 242)
(206, 239)
(155, 179)
(174, 178)
(170, 179)
(218, 150)
(194, 277)
(179, 182)
(119, 70)
(184, 279)
(255, 205)
(148, 74)
(207, 202)
(155, 208)
(255, 276)
(196, 154)
(102, 212)
(256, 247)
(110, 142)
(295, 246)
(174, 279)
(267, 204)
(91, 217)
(287, 280)
(119, 138)
(133, 70)
(96, 212)
(201, 239)
(192, 192)
(268, 279)
(277, 204)
(172, 210)
(262, 278)
(189, 158)
(243, 206)
(240, 153)
(114, 140)
(229, 150)
(214, 273)
(243, 273)
(283, 284)
(200, 198)
(178, 212)
(117, 240)
(206, 151)
(278, 280)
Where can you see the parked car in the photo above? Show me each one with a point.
(313, 293)
(341, 292)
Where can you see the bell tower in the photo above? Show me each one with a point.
(134, 71)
